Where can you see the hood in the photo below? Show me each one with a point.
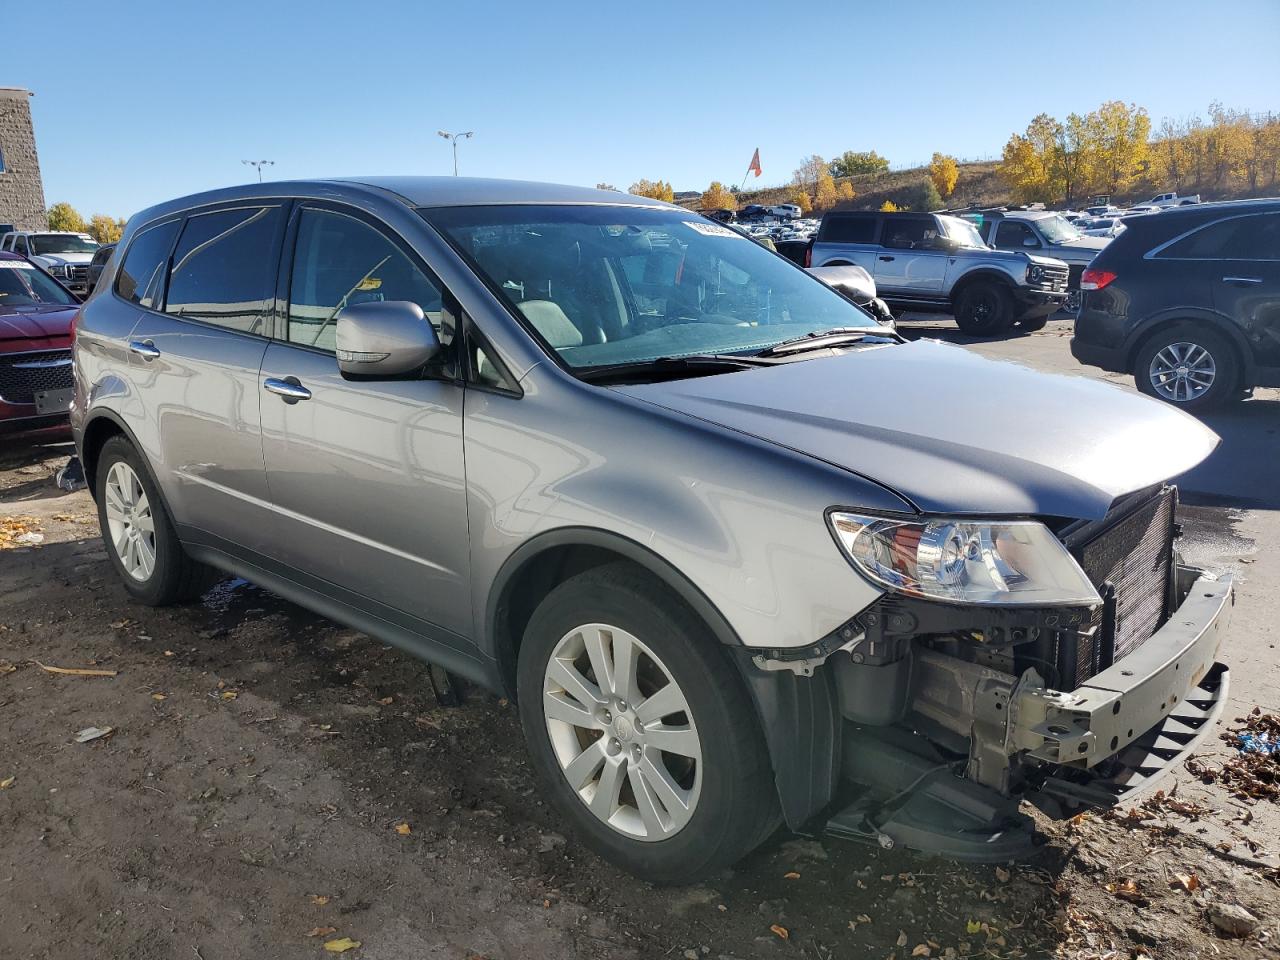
(952, 431)
(1082, 243)
(29, 323)
(53, 259)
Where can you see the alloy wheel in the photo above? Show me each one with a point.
(1182, 371)
(622, 732)
(129, 521)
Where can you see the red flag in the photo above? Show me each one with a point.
(755, 163)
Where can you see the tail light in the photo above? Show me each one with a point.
(808, 256)
(1095, 279)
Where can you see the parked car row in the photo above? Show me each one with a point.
(65, 255)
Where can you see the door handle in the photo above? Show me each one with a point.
(289, 388)
(887, 259)
(1242, 280)
(144, 348)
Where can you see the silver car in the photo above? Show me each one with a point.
(741, 554)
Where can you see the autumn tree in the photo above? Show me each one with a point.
(800, 197)
(844, 189)
(825, 195)
(718, 197)
(63, 216)
(851, 163)
(944, 171)
(807, 173)
(1025, 162)
(1117, 138)
(889, 207)
(654, 189)
(105, 230)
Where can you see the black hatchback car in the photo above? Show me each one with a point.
(1188, 301)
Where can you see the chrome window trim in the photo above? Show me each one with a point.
(1154, 253)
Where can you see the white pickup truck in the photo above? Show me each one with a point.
(1171, 200)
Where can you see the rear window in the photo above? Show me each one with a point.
(846, 229)
(224, 268)
(141, 278)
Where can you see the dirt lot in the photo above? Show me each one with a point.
(273, 782)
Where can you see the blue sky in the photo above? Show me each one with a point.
(138, 101)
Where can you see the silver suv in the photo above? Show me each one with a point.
(723, 537)
(934, 262)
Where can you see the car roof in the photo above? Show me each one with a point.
(413, 192)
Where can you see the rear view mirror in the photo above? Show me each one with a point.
(387, 338)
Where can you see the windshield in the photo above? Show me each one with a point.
(962, 232)
(605, 285)
(22, 285)
(43, 243)
(1057, 230)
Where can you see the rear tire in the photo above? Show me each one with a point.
(984, 309)
(138, 532)
(1189, 366)
(597, 754)
(1033, 324)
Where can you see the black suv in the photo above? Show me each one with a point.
(1188, 301)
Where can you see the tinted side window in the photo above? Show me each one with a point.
(851, 230)
(1011, 234)
(908, 233)
(141, 278)
(339, 261)
(224, 268)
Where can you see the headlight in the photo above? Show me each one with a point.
(1001, 562)
(1035, 273)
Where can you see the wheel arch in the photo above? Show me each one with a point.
(1158, 323)
(100, 427)
(978, 274)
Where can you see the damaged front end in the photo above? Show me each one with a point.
(952, 714)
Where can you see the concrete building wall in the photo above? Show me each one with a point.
(21, 190)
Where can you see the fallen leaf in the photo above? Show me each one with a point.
(121, 624)
(6, 667)
(322, 931)
(902, 938)
(341, 945)
(791, 875)
(780, 931)
(319, 899)
(1003, 875)
(74, 671)
(93, 733)
(159, 696)
(168, 653)
(921, 950)
(6, 783)
(972, 926)
(403, 829)
(863, 918)
(229, 694)
(387, 701)
(1187, 881)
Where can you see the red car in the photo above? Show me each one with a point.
(36, 315)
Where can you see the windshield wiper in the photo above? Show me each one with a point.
(667, 367)
(822, 339)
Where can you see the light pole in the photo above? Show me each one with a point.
(259, 164)
(455, 137)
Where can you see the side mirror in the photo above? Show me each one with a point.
(384, 339)
(1031, 242)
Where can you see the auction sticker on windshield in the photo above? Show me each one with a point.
(17, 265)
(712, 229)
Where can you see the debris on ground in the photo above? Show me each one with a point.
(71, 477)
(74, 671)
(1254, 772)
(1232, 919)
(93, 733)
(19, 532)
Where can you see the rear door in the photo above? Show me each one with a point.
(195, 361)
(1246, 280)
(909, 263)
(366, 477)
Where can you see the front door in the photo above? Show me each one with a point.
(910, 263)
(366, 477)
(195, 357)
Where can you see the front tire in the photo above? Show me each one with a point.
(984, 309)
(640, 730)
(1189, 366)
(138, 532)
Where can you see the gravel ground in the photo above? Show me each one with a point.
(273, 782)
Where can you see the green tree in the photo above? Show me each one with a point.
(851, 163)
(63, 216)
(944, 172)
(924, 196)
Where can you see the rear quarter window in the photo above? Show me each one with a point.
(845, 229)
(141, 277)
